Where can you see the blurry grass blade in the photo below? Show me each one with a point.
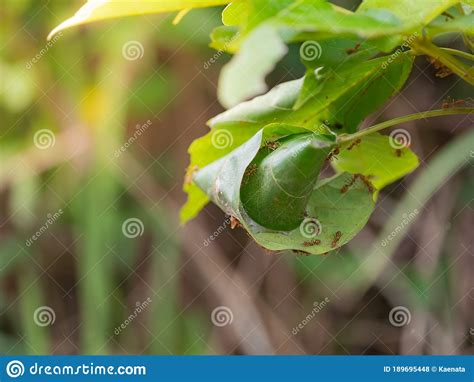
(32, 302)
(95, 10)
(11, 254)
(97, 225)
(165, 282)
(180, 16)
(25, 195)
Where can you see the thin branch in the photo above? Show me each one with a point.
(459, 53)
(405, 118)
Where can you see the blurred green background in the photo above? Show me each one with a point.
(93, 137)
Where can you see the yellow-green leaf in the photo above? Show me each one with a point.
(95, 10)
(413, 13)
(377, 157)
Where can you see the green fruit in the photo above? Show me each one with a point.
(277, 184)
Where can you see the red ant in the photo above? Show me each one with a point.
(333, 154)
(368, 183)
(272, 145)
(311, 243)
(354, 144)
(346, 187)
(353, 50)
(363, 178)
(451, 102)
(234, 222)
(337, 237)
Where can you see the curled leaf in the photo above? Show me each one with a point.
(277, 185)
(332, 217)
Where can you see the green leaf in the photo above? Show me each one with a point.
(203, 151)
(341, 50)
(244, 76)
(376, 157)
(278, 104)
(463, 24)
(312, 84)
(321, 16)
(95, 10)
(280, 180)
(219, 142)
(332, 217)
(196, 201)
(223, 38)
(414, 14)
(338, 217)
(245, 16)
(349, 111)
(328, 54)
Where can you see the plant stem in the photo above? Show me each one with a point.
(405, 118)
(459, 53)
(457, 67)
(468, 40)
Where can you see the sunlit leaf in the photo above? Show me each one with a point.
(95, 10)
